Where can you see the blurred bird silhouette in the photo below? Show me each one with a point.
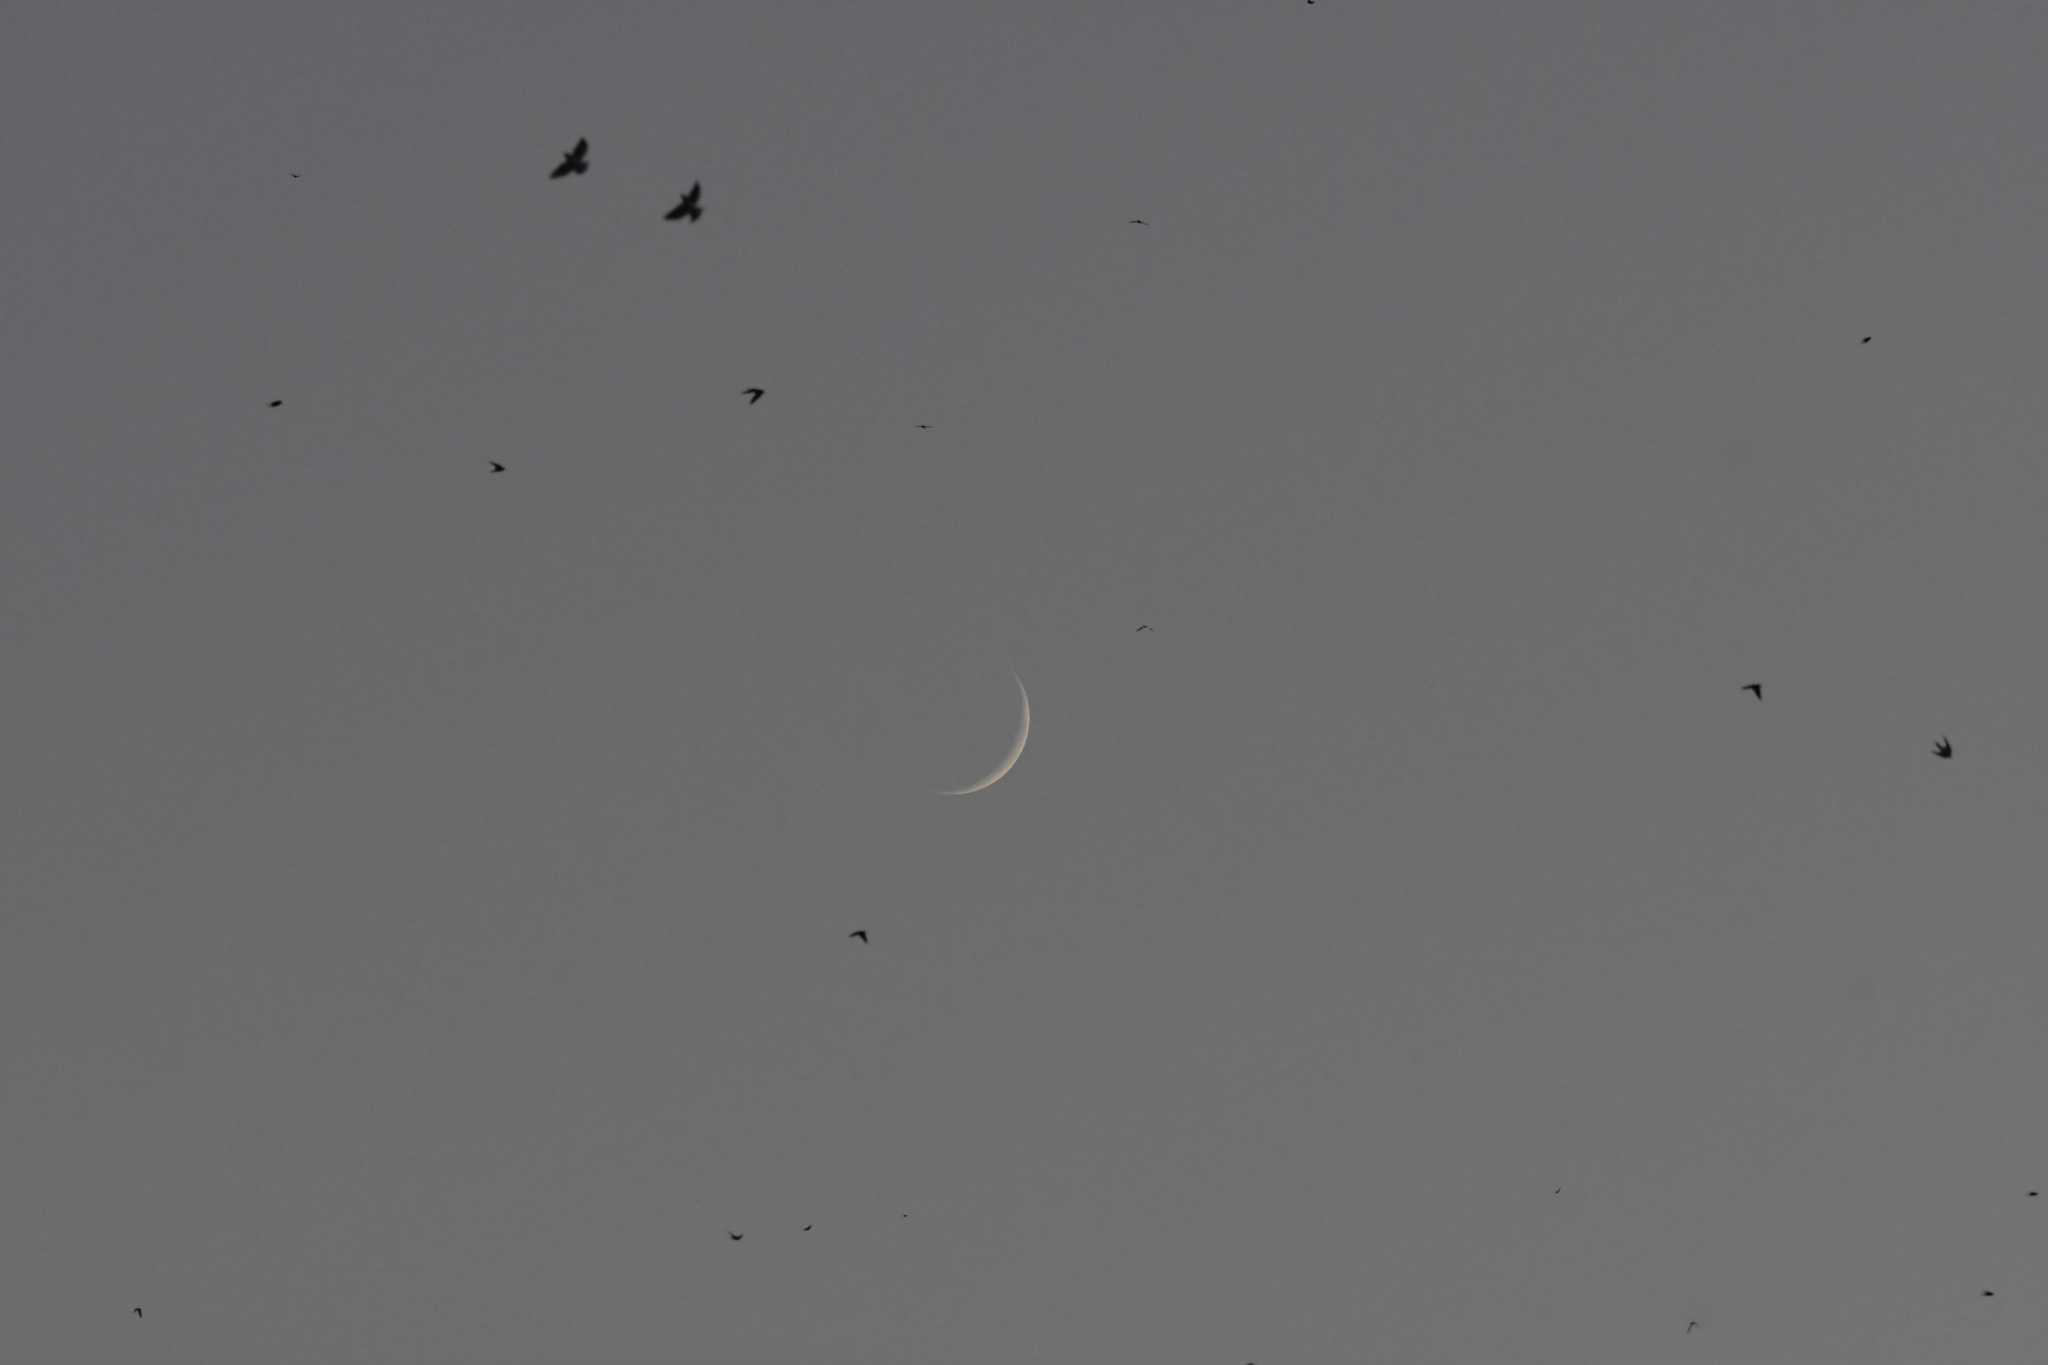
(138, 1312)
(1943, 749)
(1757, 688)
(754, 395)
(277, 402)
(497, 468)
(860, 934)
(1144, 628)
(575, 161)
(734, 1235)
(689, 207)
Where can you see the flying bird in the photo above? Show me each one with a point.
(277, 402)
(754, 395)
(1943, 749)
(295, 175)
(2033, 1194)
(924, 426)
(1987, 1294)
(1689, 1326)
(689, 207)
(1144, 628)
(1757, 688)
(497, 468)
(575, 161)
(138, 1312)
(860, 934)
(1140, 222)
(1864, 342)
(734, 1235)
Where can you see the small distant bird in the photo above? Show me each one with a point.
(1757, 688)
(575, 161)
(1864, 342)
(497, 468)
(860, 934)
(295, 175)
(1558, 1190)
(1689, 1326)
(734, 1235)
(924, 426)
(689, 207)
(1943, 749)
(1140, 222)
(2033, 1194)
(138, 1312)
(1144, 628)
(807, 1227)
(1988, 1294)
(754, 395)
(277, 402)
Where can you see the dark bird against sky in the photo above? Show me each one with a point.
(1943, 749)
(860, 934)
(754, 395)
(1757, 688)
(734, 1235)
(497, 468)
(277, 402)
(689, 207)
(1144, 628)
(575, 161)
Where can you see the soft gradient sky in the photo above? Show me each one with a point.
(426, 891)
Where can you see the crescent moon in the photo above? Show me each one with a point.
(1009, 759)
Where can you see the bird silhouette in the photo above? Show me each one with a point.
(734, 1235)
(2033, 1194)
(138, 1312)
(497, 468)
(754, 395)
(1864, 342)
(1943, 749)
(860, 934)
(1988, 1294)
(295, 175)
(1140, 222)
(1144, 628)
(924, 426)
(689, 207)
(1689, 1326)
(807, 1227)
(277, 402)
(1757, 688)
(575, 161)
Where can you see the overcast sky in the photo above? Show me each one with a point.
(426, 891)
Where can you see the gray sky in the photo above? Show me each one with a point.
(426, 891)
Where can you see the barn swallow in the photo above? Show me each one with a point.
(575, 161)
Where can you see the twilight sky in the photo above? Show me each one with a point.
(424, 892)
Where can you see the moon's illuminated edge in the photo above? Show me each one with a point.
(1009, 759)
